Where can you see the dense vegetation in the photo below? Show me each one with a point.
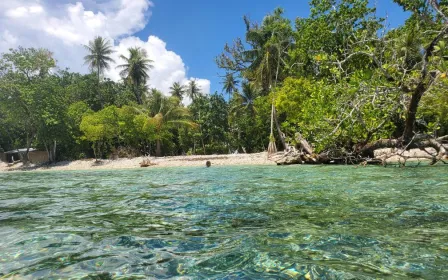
(339, 77)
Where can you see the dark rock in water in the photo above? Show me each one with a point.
(208, 163)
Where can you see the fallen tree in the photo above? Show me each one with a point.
(434, 151)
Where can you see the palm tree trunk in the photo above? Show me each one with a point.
(158, 148)
(98, 88)
(272, 149)
(202, 139)
(137, 95)
(203, 146)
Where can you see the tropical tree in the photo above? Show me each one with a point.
(177, 90)
(246, 98)
(29, 96)
(100, 128)
(135, 70)
(242, 114)
(164, 114)
(263, 57)
(193, 90)
(99, 58)
(265, 60)
(210, 113)
(230, 84)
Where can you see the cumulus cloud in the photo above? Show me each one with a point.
(65, 28)
(168, 66)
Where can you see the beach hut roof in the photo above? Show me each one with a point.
(19, 151)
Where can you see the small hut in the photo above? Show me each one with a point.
(34, 155)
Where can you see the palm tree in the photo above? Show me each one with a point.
(99, 58)
(244, 105)
(164, 113)
(177, 90)
(270, 43)
(229, 84)
(193, 90)
(269, 49)
(135, 70)
(247, 98)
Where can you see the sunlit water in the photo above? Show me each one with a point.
(298, 222)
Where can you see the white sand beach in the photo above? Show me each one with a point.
(125, 163)
(199, 160)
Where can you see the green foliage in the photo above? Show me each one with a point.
(210, 115)
(310, 106)
(100, 128)
(334, 115)
(434, 113)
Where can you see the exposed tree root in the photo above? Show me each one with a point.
(434, 151)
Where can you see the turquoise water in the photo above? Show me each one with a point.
(297, 222)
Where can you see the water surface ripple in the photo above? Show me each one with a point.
(259, 222)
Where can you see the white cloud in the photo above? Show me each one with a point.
(64, 28)
(20, 12)
(168, 66)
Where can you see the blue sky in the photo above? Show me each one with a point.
(198, 29)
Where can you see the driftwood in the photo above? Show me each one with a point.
(146, 163)
(304, 144)
(288, 158)
(365, 154)
(305, 154)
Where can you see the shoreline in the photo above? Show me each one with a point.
(131, 163)
(389, 155)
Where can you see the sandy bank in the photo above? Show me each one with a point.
(124, 163)
(217, 160)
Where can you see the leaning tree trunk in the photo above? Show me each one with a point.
(411, 114)
(304, 144)
(425, 81)
(280, 133)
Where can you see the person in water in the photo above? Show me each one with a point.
(208, 163)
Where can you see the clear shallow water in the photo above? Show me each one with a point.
(298, 222)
